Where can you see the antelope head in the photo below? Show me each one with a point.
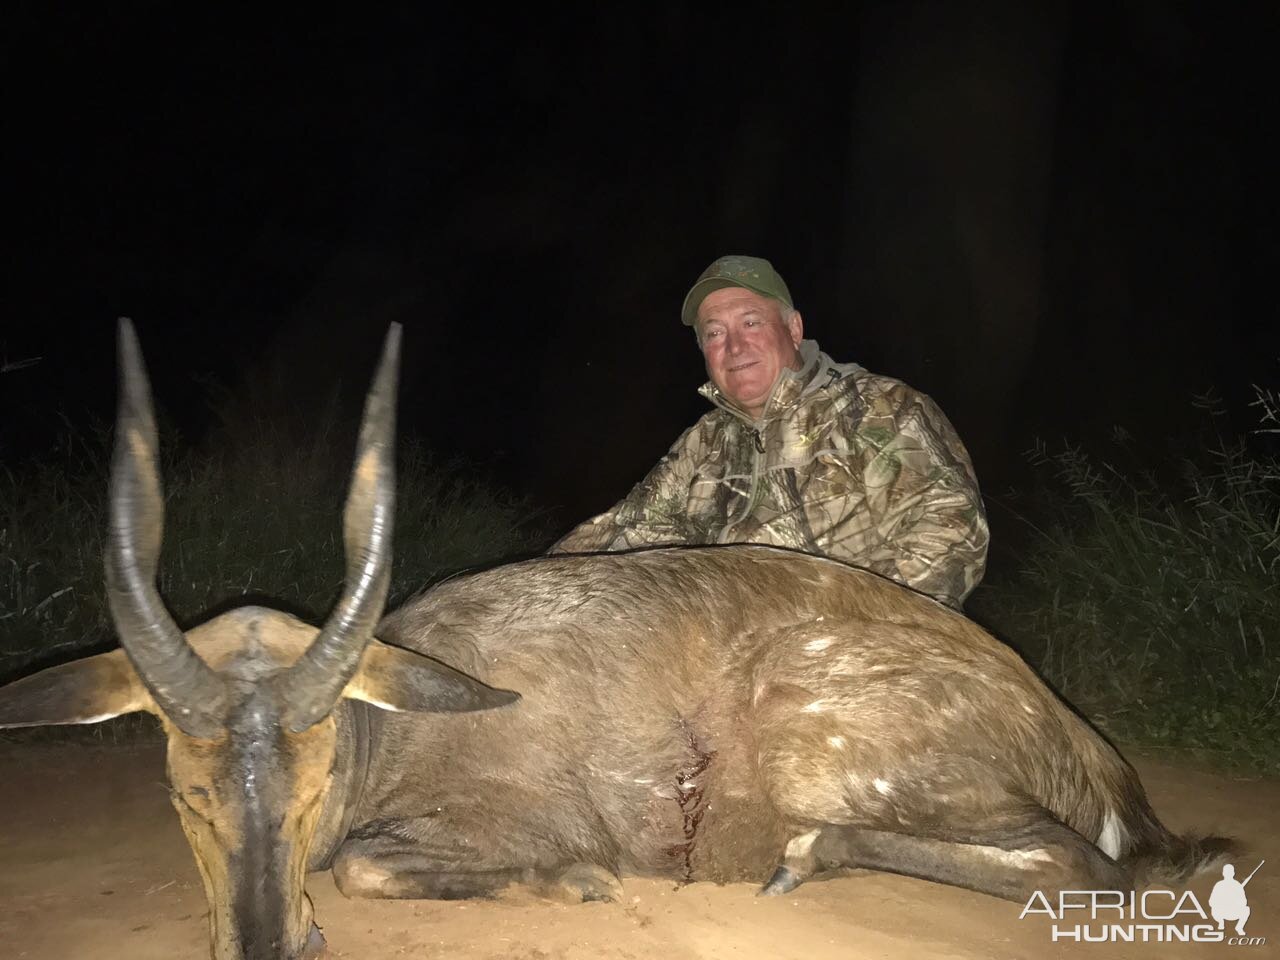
(247, 699)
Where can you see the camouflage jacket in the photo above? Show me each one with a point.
(842, 463)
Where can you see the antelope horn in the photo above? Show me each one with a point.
(311, 687)
(183, 685)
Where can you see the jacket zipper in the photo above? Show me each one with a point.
(757, 439)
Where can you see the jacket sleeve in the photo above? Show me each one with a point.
(654, 512)
(920, 488)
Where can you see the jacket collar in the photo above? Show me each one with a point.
(791, 387)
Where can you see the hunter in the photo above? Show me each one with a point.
(803, 452)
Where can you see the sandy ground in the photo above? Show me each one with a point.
(94, 865)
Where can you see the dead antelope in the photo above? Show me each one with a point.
(721, 713)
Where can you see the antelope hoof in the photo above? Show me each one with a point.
(784, 880)
(316, 946)
(587, 882)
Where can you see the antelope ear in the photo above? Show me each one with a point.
(397, 679)
(83, 691)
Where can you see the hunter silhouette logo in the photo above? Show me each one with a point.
(1149, 916)
(1228, 900)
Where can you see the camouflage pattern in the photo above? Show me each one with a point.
(842, 463)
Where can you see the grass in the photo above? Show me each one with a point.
(254, 515)
(1150, 595)
(1147, 594)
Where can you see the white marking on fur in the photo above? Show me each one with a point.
(800, 846)
(1018, 859)
(1037, 856)
(883, 786)
(99, 718)
(367, 875)
(1015, 859)
(816, 707)
(1113, 838)
(837, 742)
(813, 646)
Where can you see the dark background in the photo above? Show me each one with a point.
(1056, 219)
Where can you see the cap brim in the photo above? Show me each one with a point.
(699, 291)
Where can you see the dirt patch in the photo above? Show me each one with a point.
(94, 865)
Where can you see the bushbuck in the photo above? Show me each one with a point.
(720, 713)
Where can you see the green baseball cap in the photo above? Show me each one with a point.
(753, 273)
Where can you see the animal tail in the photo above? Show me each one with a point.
(1159, 856)
(1183, 857)
(1135, 837)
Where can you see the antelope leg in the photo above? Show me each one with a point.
(1010, 857)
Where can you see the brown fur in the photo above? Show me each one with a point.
(717, 713)
(652, 676)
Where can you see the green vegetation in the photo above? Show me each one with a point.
(253, 517)
(1151, 597)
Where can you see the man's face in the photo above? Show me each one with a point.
(746, 344)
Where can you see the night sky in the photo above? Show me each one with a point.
(1054, 220)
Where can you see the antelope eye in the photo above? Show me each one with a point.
(194, 799)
